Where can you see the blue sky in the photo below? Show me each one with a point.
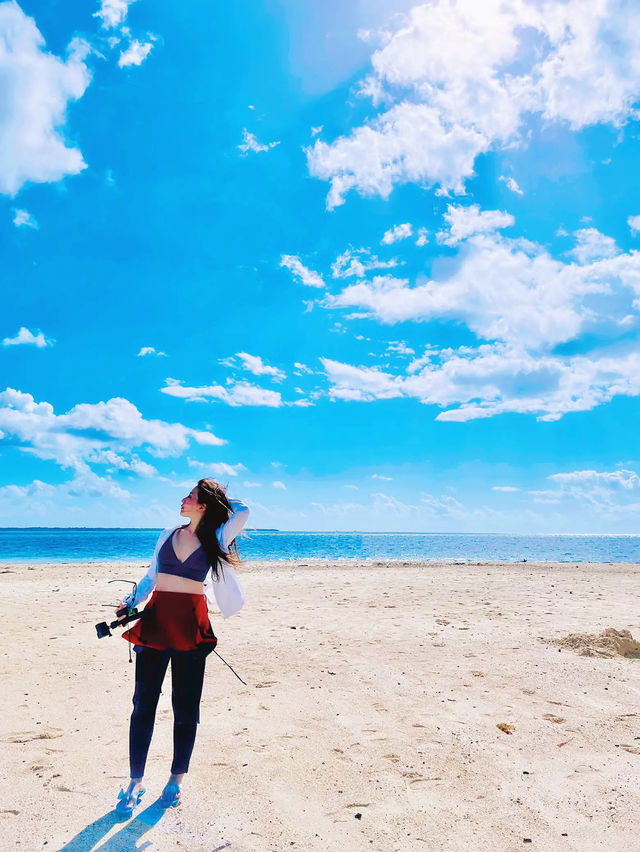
(375, 267)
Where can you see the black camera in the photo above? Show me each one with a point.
(103, 629)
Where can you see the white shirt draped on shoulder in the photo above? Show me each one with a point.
(225, 592)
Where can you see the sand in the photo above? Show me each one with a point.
(370, 719)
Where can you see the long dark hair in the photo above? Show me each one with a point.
(218, 510)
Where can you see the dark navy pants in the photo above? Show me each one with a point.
(187, 676)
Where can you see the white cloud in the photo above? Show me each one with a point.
(625, 479)
(250, 143)
(607, 491)
(85, 483)
(236, 394)
(511, 184)
(398, 232)
(592, 245)
(464, 222)
(278, 484)
(113, 12)
(104, 433)
(400, 347)
(459, 79)
(24, 336)
(23, 219)
(248, 484)
(508, 289)
(357, 262)
(423, 237)
(443, 505)
(301, 403)
(316, 130)
(135, 54)
(217, 468)
(494, 379)
(254, 364)
(380, 476)
(304, 275)
(149, 350)
(133, 463)
(507, 489)
(37, 88)
(634, 224)
(406, 144)
(301, 369)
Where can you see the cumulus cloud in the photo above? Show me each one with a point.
(459, 79)
(607, 491)
(149, 350)
(135, 54)
(464, 222)
(400, 348)
(380, 476)
(235, 394)
(254, 364)
(634, 224)
(357, 262)
(26, 337)
(133, 463)
(37, 88)
(592, 245)
(471, 383)
(113, 12)
(398, 232)
(23, 219)
(304, 275)
(406, 144)
(250, 143)
(508, 289)
(84, 483)
(423, 237)
(104, 433)
(279, 484)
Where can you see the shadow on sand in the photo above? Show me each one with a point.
(124, 840)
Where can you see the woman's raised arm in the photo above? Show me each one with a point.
(236, 523)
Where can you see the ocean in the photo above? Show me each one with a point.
(92, 545)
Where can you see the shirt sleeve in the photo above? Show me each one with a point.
(148, 583)
(226, 593)
(236, 523)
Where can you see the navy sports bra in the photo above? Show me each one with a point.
(195, 566)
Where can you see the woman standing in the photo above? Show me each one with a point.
(192, 565)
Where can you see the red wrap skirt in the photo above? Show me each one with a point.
(173, 620)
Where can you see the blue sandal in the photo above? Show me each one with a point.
(170, 796)
(127, 802)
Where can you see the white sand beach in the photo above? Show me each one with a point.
(369, 719)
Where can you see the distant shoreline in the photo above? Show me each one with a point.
(344, 532)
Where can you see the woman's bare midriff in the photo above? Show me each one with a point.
(172, 583)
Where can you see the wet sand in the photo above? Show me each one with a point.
(369, 720)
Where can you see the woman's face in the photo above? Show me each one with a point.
(190, 505)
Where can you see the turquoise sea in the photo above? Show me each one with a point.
(91, 545)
